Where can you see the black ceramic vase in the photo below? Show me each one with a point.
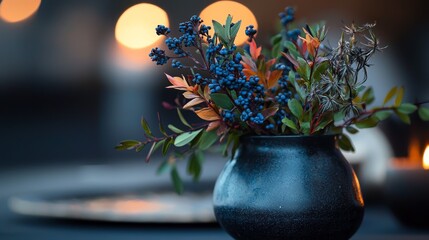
(288, 187)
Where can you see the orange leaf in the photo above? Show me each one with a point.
(270, 63)
(208, 114)
(190, 95)
(213, 125)
(193, 102)
(291, 59)
(207, 92)
(254, 50)
(248, 73)
(274, 77)
(248, 63)
(177, 82)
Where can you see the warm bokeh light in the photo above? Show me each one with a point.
(219, 10)
(136, 26)
(426, 158)
(18, 10)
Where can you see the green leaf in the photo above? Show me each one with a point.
(182, 119)
(207, 140)
(297, 87)
(383, 115)
(232, 139)
(352, 130)
(319, 70)
(146, 128)
(323, 124)
(290, 46)
(291, 77)
(305, 127)
(222, 100)
(151, 150)
(127, 144)
(404, 118)
(164, 167)
(345, 143)
(399, 96)
(269, 112)
(276, 42)
(175, 129)
(276, 39)
(276, 50)
(339, 116)
(286, 121)
(167, 145)
(303, 69)
(139, 148)
(161, 126)
(186, 138)
(390, 95)
(424, 113)
(296, 108)
(177, 181)
(368, 122)
(233, 94)
(407, 108)
(368, 96)
(195, 165)
(220, 32)
(234, 31)
(228, 27)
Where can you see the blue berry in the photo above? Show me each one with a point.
(162, 30)
(157, 55)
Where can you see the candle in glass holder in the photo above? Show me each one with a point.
(407, 189)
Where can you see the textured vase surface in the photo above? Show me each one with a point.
(288, 187)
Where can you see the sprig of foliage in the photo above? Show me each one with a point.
(305, 88)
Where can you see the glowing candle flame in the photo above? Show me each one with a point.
(18, 10)
(135, 28)
(426, 158)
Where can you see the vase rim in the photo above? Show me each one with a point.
(291, 136)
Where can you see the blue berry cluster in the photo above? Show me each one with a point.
(176, 64)
(250, 32)
(157, 55)
(225, 68)
(192, 31)
(162, 30)
(278, 117)
(287, 17)
(251, 100)
(228, 116)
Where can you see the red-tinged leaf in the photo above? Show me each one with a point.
(153, 148)
(269, 112)
(399, 96)
(177, 82)
(390, 95)
(255, 52)
(208, 114)
(248, 63)
(207, 92)
(213, 125)
(291, 59)
(167, 105)
(193, 102)
(274, 77)
(270, 63)
(248, 73)
(190, 95)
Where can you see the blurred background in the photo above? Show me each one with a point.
(74, 82)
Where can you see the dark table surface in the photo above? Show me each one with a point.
(378, 223)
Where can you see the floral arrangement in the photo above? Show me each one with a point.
(301, 86)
